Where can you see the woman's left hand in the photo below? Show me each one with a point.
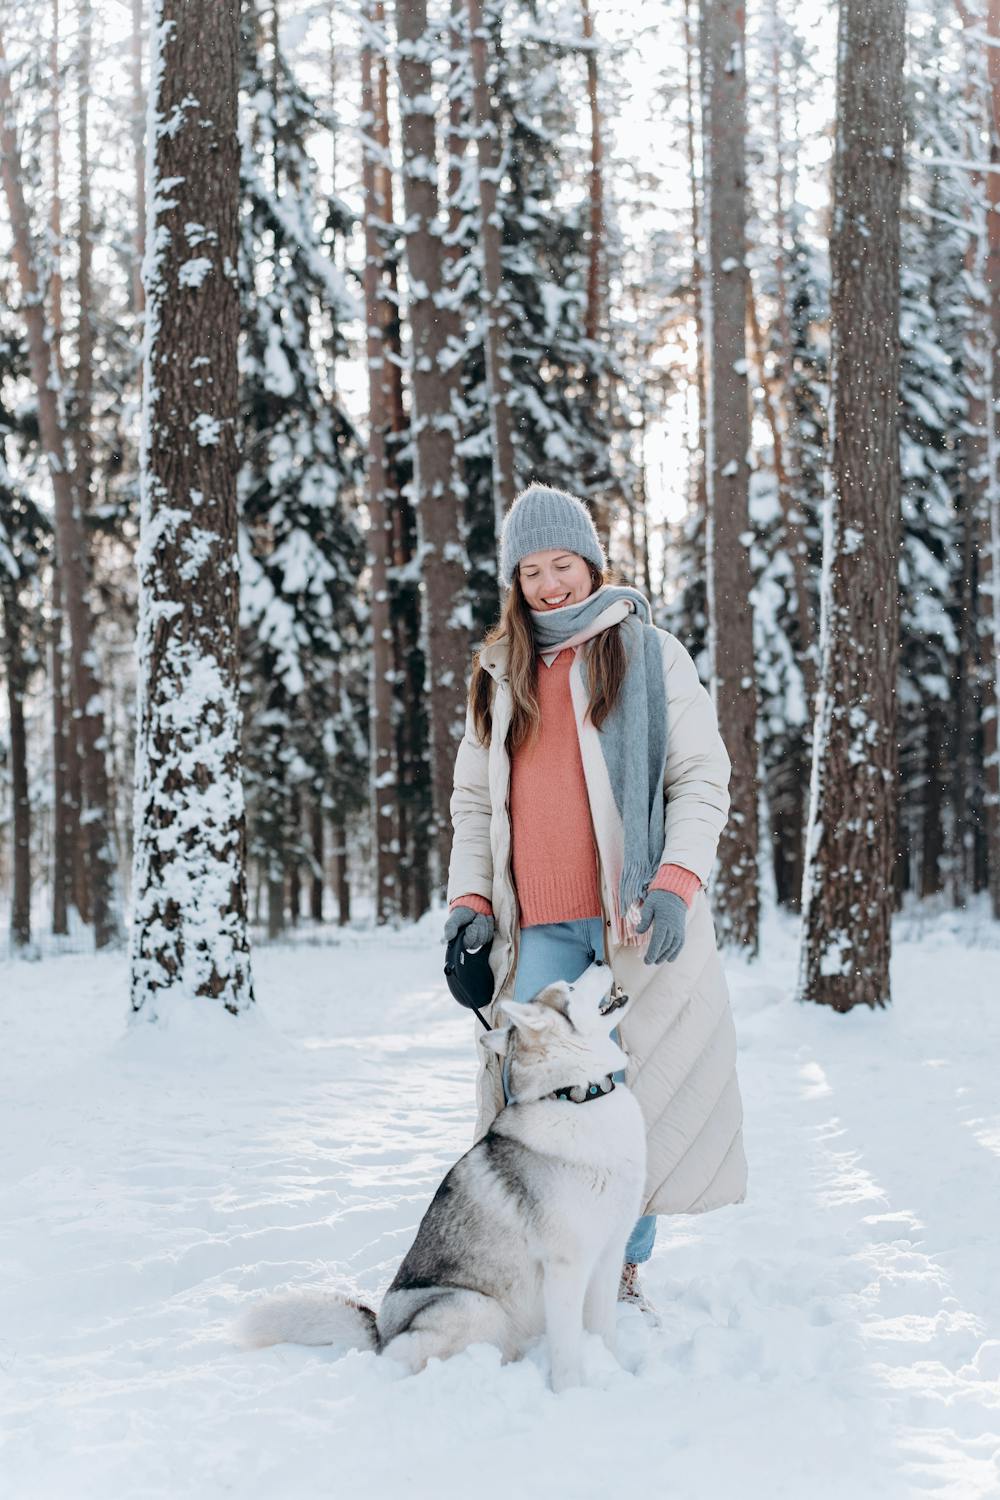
(668, 914)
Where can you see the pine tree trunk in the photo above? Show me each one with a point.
(416, 812)
(342, 873)
(414, 795)
(978, 475)
(55, 205)
(848, 888)
(338, 826)
(316, 832)
(275, 898)
(932, 850)
(598, 482)
(458, 98)
(964, 792)
(495, 319)
(690, 53)
(294, 846)
(16, 673)
(445, 634)
(84, 388)
(62, 864)
(62, 867)
(595, 245)
(138, 156)
(75, 815)
(378, 316)
(724, 290)
(70, 542)
(989, 589)
(189, 935)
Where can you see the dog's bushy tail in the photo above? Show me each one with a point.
(307, 1317)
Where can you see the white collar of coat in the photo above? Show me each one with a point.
(613, 615)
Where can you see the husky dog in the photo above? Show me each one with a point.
(527, 1232)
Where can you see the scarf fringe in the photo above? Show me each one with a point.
(624, 925)
(634, 883)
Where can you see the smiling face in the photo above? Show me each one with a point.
(554, 578)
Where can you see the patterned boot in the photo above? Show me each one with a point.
(631, 1293)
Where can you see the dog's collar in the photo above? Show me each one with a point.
(582, 1093)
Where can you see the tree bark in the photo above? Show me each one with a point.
(690, 52)
(295, 864)
(69, 535)
(62, 722)
(189, 932)
(724, 291)
(275, 898)
(848, 886)
(62, 863)
(138, 155)
(414, 829)
(379, 314)
(55, 206)
(932, 847)
(316, 831)
(595, 246)
(978, 475)
(16, 672)
(495, 320)
(338, 832)
(458, 113)
(78, 850)
(596, 304)
(446, 620)
(989, 583)
(84, 385)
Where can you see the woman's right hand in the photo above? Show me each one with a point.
(476, 927)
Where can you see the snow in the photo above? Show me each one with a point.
(278, 376)
(191, 273)
(836, 1334)
(207, 429)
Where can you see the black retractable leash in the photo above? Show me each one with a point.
(469, 975)
(470, 979)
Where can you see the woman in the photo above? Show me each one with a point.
(591, 788)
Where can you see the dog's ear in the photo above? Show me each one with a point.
(525, 1016)
(556, 997)
(496, 1040)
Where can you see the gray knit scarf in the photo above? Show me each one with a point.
(634, 735)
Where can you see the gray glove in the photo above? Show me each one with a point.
(476, 929)
(668, 912)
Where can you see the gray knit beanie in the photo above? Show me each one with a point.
(540, 518)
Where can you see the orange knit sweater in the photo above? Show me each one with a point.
(554, 858)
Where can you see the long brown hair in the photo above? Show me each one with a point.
(605, 654)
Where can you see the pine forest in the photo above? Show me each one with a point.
(295, 298)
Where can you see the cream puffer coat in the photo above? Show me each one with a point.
(679, 1033)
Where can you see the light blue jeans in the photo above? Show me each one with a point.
(563, 950)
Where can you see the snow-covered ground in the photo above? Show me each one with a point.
(838, 1334)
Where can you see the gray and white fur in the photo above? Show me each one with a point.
(526, 1234)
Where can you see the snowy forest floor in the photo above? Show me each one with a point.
(838, 1334)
